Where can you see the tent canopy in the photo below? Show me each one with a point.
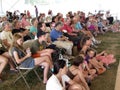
(62, 6)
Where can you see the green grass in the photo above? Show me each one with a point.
(111, 43)
(106, 81)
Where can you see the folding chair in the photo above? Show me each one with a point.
(26, 71)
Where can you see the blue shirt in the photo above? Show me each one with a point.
(78, 26)
(54, 34)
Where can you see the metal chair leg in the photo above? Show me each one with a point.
(37, 75)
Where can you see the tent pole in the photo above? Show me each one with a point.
(1, 10)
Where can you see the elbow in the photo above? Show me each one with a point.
(18, 61)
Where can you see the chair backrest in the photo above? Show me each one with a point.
(10, 53)
(17, 66)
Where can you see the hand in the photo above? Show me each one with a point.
(28, 54)
(66, 38)
(104, 51)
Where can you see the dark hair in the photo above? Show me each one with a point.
(49, 12)
(58, 23)
(91, 49)
(53, 18)
(40, 33)
(39, 25)
(58, 64)
(83, 40)
(77, 60)
(33, 20)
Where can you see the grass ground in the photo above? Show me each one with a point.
(106, 81)
(111, 43)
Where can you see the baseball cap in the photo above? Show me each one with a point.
(40, 33)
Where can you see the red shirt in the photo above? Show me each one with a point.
(67, 28)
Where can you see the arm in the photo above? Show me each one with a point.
(84, 83)
(19, 60)
(63, 38)
(6, 43)
(72, 34)
(65, 78)
(100, 54)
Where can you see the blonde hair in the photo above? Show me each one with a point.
(15, 44)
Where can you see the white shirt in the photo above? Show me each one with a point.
(7, 35)
(53, 83)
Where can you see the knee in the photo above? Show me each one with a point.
(46, 65)
(75, 87)
(4, 60)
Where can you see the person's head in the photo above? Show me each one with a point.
(50, 12)
(17, 24)
(41, 36)
(91, 52)
(75, 19)
(68, 20)
(60, 67)
(34, 21)
(25, 31)
(4, 18)
(17, 39)
(55, 19)
(58, 26)
(78, 60)
(86, 41)
(42, 26)
(24, 16)
(6, 25)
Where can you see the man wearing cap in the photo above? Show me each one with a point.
(38, 47)
(59, 40)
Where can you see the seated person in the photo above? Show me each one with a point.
(59, 77)
(26, 34)
(59, 39)
(33, 28)
(76, 72)
(24, 59)
(5, 55)
(16, 27)
(3, 63)
(42, 27)
(38, 47)
(91, 58)
(105, 58)
(68, 31)
(6, 35)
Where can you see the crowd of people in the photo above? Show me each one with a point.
(33, 41)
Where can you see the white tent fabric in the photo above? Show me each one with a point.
(62, 6)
